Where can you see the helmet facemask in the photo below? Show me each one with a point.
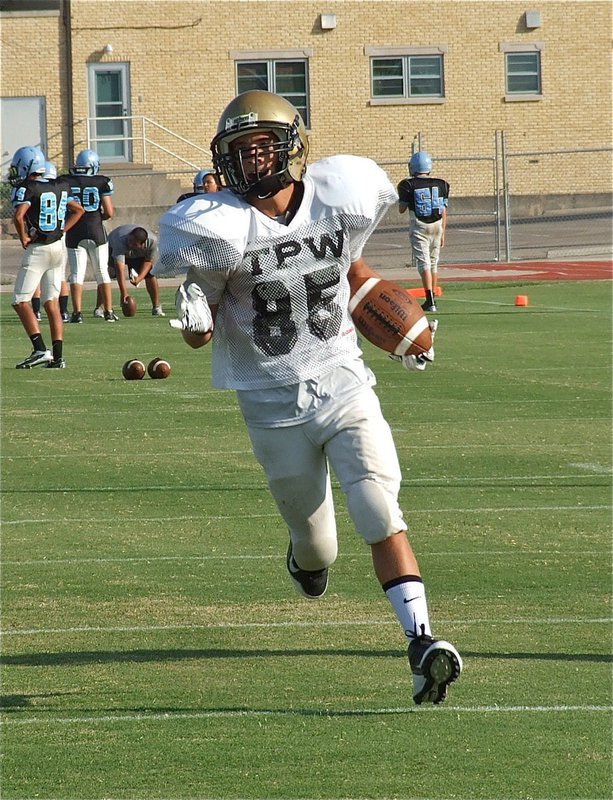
(26, 161)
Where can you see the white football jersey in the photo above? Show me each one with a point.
(282, 290)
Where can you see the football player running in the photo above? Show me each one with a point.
(267, 281)
(88, 239)
(43, 211)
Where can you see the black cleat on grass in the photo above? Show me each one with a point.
(311, 584)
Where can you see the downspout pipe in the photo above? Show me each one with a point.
(67, 20)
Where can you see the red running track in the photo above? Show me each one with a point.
(528, 271)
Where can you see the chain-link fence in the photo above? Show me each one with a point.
(569, 215)
(505, 205)
(516, 205)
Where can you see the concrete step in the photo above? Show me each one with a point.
(142, 189)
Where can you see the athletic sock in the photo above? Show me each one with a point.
(407, 594)
(57, 349)
(63, 304)
(429, 297)
(38, 342)
(35, 305)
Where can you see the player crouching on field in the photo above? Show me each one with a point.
(268, 266)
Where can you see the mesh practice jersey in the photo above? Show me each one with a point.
(282, 290)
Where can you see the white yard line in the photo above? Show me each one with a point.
(521, 446)
(305, 712)
(298, 624)
(563, 553)
(181, 487)
(217, 517)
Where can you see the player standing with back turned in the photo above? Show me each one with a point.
(272, 257)
(427, 199)
(88, 238)
(43, 210)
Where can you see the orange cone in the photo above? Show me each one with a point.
(521, 300)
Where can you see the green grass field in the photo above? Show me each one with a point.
(153, 646)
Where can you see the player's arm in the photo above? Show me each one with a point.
(107, 208)
(19, 221)
(75, 212)
(120, 269)
(444, 217)
(145, 269)
(360, 269)
(403, 202)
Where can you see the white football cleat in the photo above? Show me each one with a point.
(36, 359)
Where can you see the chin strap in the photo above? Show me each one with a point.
(269, 186)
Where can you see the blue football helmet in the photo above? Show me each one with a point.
(50, 173)
(420, 162)
(86, 163)
(26, 161)
(199, 179)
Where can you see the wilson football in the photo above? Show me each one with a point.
(128, 306)
(387, 315)
(158, 368)
(133, 370)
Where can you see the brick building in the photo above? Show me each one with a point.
(144, 82)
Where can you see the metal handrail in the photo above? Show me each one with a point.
(176, 135)
(92, 139)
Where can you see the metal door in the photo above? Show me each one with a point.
(109, 96)
(24, 122)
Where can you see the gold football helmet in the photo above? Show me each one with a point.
(261, 112)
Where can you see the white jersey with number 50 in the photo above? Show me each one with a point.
(282, 290)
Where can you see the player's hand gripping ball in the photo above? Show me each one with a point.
(133, 370)
(158, 368)
(128, 306)
(389, 317)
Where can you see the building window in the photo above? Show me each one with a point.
(30, 7)
(523, 73)
(407, 74)
(522, 70)
(286, 77)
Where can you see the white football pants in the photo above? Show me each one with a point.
(99, 256)
(44, 264)
(426, 240)
(356, 441)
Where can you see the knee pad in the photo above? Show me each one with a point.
(77, 261)
(374, 509)
(312, 523)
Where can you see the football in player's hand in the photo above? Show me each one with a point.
(158, 368)
(387, 315)
(133, 370)
(128, 306)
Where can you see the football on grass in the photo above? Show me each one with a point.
(128, 306)
(387, 315)
(158, 368)
(133, 370)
